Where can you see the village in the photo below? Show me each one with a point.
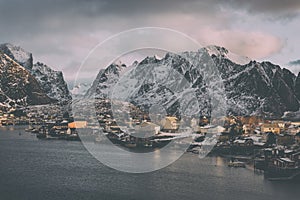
(270, 145)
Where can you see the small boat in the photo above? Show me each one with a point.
(196, 150)
(130, 144)
(73, 137)
(282, 174)
(41, 136)
(148, 145)
(29, 129)
(236, 164)
(35, 130)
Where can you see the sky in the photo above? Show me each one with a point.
(61, 33)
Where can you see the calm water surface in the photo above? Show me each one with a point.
(39, 169)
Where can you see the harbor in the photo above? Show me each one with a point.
(270, 146)
(39, 166)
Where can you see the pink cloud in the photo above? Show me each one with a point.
(218, 29)
(255, 45)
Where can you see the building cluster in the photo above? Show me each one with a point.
(7, 118)
(253, 131)
(46, 121)
(278, 162)
(127, 124)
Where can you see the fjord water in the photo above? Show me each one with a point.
(42, 169)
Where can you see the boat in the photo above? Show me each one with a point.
(195, 150)
(282, 174)
(41, 136)
(29, 129)
(130, 144)
(35, 130)
(73, 137)
(148, 145)
(236, 164)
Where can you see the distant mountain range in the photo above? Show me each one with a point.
(252, 88)
(25, 83)
(80, 90)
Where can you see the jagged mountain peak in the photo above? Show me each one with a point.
(216, 50)
(18, 54)
(50, 81)
(150, 59)
(222, 52)
(116, 66)
(212, 50)
(18, 87)
(251, 87)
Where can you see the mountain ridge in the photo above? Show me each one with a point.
(51, 83)
(18, 87)
(251, 87)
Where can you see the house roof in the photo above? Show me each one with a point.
(270, 125)
(287, 151)
(240, 141)
(286, 160)
(78, 124)
(172, 118)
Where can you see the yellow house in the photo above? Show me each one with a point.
(280, 123)
(274, 128)
(170, 124)
(295, 123)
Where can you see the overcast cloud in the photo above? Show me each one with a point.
(62, 32)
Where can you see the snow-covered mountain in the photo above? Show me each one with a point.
(80, 89)
(18, 87)
(222, 53)
(49, 81)
(52, 82)
(250, 87)
(105, 79)
(18, 54)
(258, 87)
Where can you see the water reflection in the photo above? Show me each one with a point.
(41, 169)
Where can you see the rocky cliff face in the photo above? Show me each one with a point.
(18, 87)
(50, 81)
(17, 54)
(297, 86)
(258, 87)
(251, 88)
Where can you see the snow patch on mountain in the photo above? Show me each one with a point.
(80, 89)
(18, 87)
(224, 53)
(18, 54)
(251, 88)
(52, 82)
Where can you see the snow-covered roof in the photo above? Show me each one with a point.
(259, 143)
(287, 160)
(240, 141)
